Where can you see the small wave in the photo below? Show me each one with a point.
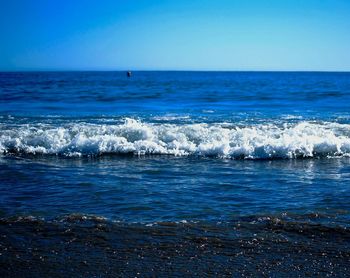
(292, 223)
(262, 141)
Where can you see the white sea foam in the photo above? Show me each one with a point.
(170, 118)
(305, 139)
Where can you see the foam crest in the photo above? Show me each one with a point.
(301, 140)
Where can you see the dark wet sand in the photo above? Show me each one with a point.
(78, 247)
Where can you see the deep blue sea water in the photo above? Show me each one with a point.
(183, 154)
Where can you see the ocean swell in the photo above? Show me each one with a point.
(263, 141)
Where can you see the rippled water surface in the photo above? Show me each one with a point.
(220, 167)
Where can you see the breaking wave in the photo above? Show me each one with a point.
(262, 141)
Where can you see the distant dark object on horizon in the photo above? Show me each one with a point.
(128, 73)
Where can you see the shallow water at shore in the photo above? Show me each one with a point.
(158, 188)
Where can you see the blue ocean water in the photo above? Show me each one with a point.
(178, 147)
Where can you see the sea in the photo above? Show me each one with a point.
(174, 174)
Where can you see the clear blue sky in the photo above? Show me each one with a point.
(177, 34)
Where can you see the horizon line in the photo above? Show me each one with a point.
(165, 70)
